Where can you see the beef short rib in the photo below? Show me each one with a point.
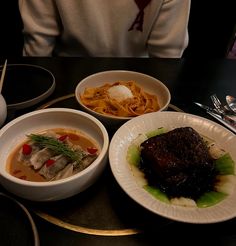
(179, 163)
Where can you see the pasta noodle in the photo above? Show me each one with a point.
(99, 100)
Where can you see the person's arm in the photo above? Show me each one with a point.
(169, 35)
(41, 26)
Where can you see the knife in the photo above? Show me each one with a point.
(224, 119)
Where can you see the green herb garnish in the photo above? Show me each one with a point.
(57, 146)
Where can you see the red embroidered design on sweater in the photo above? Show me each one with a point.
(138, 22)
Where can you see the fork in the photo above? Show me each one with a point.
(220, 108)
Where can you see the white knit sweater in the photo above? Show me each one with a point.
(106, 28)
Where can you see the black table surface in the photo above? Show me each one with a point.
(188, 81)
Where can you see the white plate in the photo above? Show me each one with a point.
(26, 85)
(120, 168)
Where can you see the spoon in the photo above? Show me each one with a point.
(3, 75)
(231, 101)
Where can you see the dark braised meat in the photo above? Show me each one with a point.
(178, 162)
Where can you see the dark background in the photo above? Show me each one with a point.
(11, 39)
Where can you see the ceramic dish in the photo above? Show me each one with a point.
(17, 225)
(122, 139)
(26, 85)
(3, 110)
(147, 83)
(13, 133)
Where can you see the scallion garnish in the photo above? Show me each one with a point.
(57, 146)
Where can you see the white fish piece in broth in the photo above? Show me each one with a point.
(25, 158)
(39, 158)
(52, 155)
(50, 170)
(65, 173)
(85, 162)
(51, 134)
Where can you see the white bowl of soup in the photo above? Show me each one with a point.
(52, 154)
(116, 96)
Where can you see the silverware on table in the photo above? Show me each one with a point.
(231, 101)
(219, 107)
(221, 117)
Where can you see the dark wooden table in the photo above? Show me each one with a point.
(188, 81)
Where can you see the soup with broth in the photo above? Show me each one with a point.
(52, 155)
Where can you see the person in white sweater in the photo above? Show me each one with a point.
(105, 28)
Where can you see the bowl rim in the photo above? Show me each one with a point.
(30, 102)
(27, 215)
(103, 153)
(83, 81)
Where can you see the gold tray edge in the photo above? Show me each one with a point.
(81, 229)
(46, 105)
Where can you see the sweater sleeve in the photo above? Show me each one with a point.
(169, 35)
(41, 26)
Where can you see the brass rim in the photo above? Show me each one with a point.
(48, 104)
(175, 108)
(81, 229)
